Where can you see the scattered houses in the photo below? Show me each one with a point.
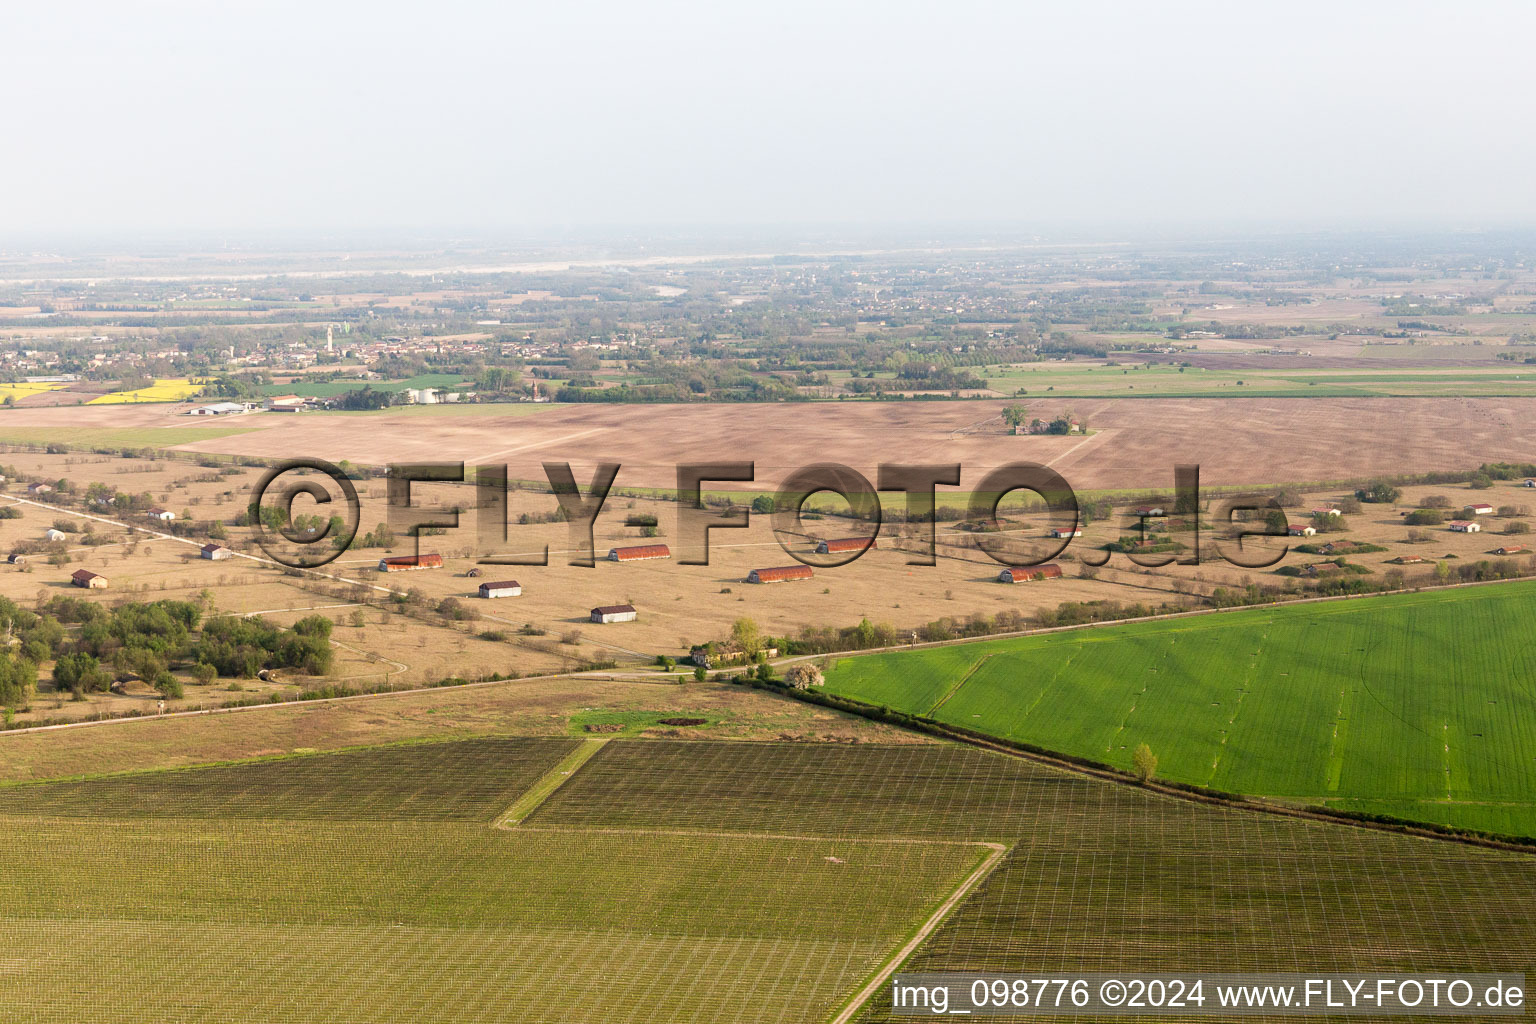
(639, 553)
(780, 574)
(1465, 526)
(216, 552)
(1510, 549)
(1300, 530)
(1480, 509)
(163, 515)
(39, 488)
(1026, 574)
(504, 588)
(614, 613)
(1408, 560)
(714, 653)
(1326, 510)
(401, 563)
(87, 579)
(1149, 510)
(1065, 532)
(844, 544)
(283, 403)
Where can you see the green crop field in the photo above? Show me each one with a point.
(1132, 379)
(1156, 886)
(1098, 876)
(110, 437)
(679, 881)
(371, 885)
(1421, 706)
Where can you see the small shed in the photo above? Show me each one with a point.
(216, 552)
(164, 515)
(614, 613)
(1465, 526)
(1065, 532)
(39, 488)
(16, 558)
(53, 535)
(87, 579)
(503, 588)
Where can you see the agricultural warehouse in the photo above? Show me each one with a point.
(1028, 574)
(614, 613)
(843, 544)
(400, 563)
(639, 553)
(780, 574)
(505, 588)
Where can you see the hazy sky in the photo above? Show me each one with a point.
(167, 116)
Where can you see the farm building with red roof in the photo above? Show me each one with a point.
(1048, 571)
(399, 563)
(780, 574)
(639, 553)
(842, 544)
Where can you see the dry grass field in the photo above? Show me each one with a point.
(546, 629)
(1134, 444)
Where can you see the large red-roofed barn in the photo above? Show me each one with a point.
(399, 563)
(1048, 571)
(842, 544)
(639, 553)
(780, 574)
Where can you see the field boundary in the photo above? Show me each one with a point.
(558, 775)
(1194, 794)
(1108, 623)
(862, 996)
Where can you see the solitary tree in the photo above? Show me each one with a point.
(1015, 416)
(747, 637)
(1145, 762)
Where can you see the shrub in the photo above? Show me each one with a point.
(803, 677)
